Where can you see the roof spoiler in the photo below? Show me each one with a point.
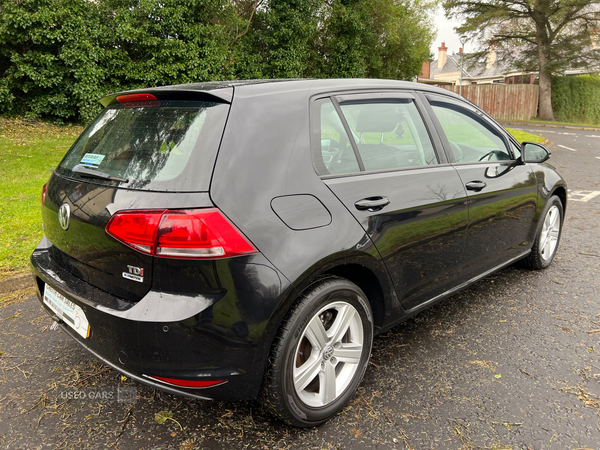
(218, 95)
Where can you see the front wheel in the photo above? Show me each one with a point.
(320, 354)
(548, 235)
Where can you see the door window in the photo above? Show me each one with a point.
(337, 155)
(389, 134)
(471, 138)
(386, 134)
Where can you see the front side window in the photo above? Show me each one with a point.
(516, 150)
(471, 138)
(385, 134)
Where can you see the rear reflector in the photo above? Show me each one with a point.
(135, 98)
(188, 383)
(44, 189)
(195, 233)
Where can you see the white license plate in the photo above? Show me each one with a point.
(64, 308)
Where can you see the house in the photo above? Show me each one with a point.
(447, 69)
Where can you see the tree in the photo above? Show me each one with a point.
(373, 38)
(58, 57)
(552, 35)
(157, 42)
(401, 36)
(280, 34)
(50, 61)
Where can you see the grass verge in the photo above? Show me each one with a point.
(523, 136)
(28, 150)
(553, 122)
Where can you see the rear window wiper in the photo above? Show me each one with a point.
(86, 172)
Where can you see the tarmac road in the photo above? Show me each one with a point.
(512, 362)
(576, 153)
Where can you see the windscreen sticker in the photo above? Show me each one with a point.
(92, 160)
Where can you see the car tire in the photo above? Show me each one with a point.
(320, 354)
(548, 235)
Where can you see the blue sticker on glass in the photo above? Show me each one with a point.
(92, 160)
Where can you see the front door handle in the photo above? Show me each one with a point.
(372, 203)
(475, 185)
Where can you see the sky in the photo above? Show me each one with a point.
(446, 34)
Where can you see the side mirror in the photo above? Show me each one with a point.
(534, 153)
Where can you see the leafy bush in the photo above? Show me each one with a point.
(58, 57)
(576, 99)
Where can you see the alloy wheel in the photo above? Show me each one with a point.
(328, 354)
(550, 233)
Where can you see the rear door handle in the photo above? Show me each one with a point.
(372, 203)
(475, 185)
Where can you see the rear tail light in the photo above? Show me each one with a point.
(136, 229)
(44, 190)
(197, 233)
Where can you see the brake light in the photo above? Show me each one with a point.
(188, 383)
(135, 98)
(136, 229)
(44, 190)
(197, 233)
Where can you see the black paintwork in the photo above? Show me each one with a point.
(217, 318)
(427, 217)
(501, 216)
(216, 331)
(86, 249)
(301, 211)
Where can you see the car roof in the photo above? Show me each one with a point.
(223, 90)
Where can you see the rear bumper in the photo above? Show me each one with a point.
(224, 334)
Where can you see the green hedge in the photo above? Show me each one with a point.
(576, 99)
(58, 57)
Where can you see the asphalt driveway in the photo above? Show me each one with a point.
(512, 362)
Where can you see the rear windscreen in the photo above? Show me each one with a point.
(158, 146)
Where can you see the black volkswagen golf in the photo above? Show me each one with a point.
(241, 239)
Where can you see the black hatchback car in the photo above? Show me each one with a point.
(225, 240)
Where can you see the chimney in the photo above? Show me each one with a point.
(442, 56)
(460, 50)
(425, 69)
(491, 56)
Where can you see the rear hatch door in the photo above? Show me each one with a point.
(149, 154)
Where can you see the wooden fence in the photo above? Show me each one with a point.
(502, 101)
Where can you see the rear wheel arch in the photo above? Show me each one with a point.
(366, 271)
(368, 282)
(361, 270)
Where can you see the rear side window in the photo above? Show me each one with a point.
(391, 134)
(162, 146)
(385, 134)
(337, 153)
